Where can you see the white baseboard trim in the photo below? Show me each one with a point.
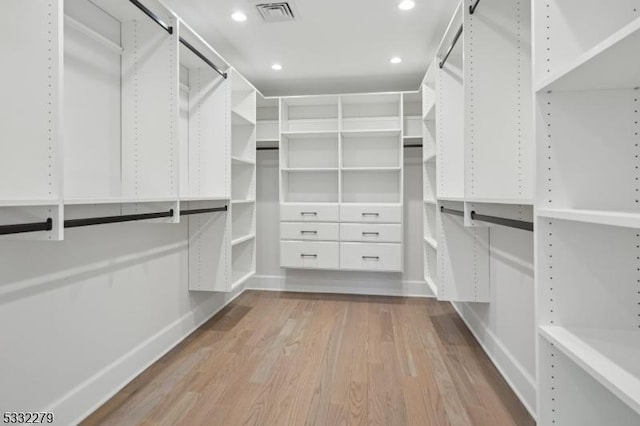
(87, 397)
(520, 381)
(341, 286)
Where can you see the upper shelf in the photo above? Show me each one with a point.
(240, 118)
(598, 67)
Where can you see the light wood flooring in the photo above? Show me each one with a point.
(310, 359)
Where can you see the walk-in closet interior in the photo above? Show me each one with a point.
(389, 212)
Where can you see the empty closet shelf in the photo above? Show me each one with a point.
(240, 118)
(609, 356)
(431, 242)
(365, 133)
(597, 68)
(117, 200)
(627, 219)
(204, 198)
(243, 161)
(243, 201)
(242, 239)
(240, 278)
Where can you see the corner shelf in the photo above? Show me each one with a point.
(609, 356)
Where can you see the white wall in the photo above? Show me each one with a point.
(269, 275)
(80, 318)
(505, 327)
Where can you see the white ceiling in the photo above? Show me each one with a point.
(333, 46)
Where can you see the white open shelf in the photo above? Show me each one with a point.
(610, 356)
(243, 161)
(630, 219)
(242, 201)
(383, 149)
(371, 186)
(242, 239)
(310, 186)
(594, 69)
(371, 112)
(310, 150)
(242, 261)
(309, 114)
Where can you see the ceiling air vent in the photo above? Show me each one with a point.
(276, 12)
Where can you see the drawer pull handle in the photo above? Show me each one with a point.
(313, 256)
(371, 233)
(370, 214)
(309, 213)
(309, 232)
(370, 257)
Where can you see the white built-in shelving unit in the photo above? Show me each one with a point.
(430, 217)
(268, 122)
(243, 182)
(120, 117)
(341, 181)
(587, 103)
(484, 150)
(204, 153)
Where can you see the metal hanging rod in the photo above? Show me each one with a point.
(455, 40)
(152, 15)
(271, 148)
(201, 211)
(169, 29)
(443, 209)
(201, 56)
(74, 223)
(472, 8)
(27, 227)
(512, 223)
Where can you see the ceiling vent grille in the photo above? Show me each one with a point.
(276, 12)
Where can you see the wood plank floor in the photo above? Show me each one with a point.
(310, 359)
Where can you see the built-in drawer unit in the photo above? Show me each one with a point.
(365, 232)
(309, 212)
(371, 257)
(371, 213)
(309, 254)
(313, 231)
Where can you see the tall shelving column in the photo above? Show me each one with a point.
(586, 79)
(429, 183)
(371, 179)
(463, 251)
(309, 182)
(243, 183)
(205, 169)
(30, 118)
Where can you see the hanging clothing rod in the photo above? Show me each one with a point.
(26, 227)
(443, 209)
(455, 40)
(201, 56)
(201, 211)
(74, 223)
(511, 223)
(272, 148)
(152, 15)
(472, 8)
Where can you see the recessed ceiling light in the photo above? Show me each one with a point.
(406, 5)
(276, 67)
(238, 16)
(395, 60)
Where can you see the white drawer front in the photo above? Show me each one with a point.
(312, 231)
(387, 233)
(371, 257)
(309, 212)
(304, 254)
(371, 213)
